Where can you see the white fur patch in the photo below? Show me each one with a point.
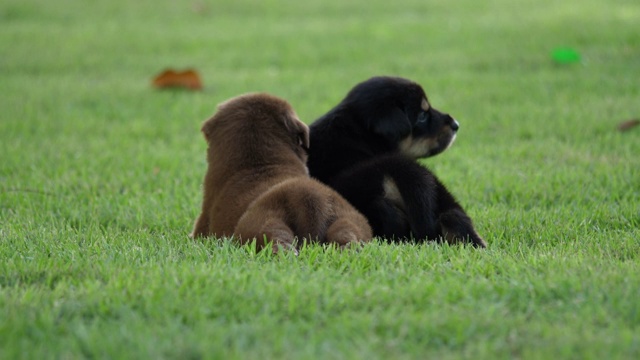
(453, 138)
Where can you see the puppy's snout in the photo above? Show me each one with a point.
(454, 125)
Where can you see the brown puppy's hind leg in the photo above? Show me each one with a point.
(265, 229)
(345, 234)
(201, 227)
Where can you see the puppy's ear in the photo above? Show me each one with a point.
(206, 128)
(300, 129)
(304, 137)
(393, 125)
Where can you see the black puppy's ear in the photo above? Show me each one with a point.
(393, 125)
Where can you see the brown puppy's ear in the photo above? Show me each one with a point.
(393, 125)
(304, 137)
(206, 128)
(299, 129)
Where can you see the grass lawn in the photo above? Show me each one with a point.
(100, 181)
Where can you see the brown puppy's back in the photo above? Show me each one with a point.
(257, 182)
(250, 149)
(302, 208)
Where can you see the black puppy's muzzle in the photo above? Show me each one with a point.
(453, 124)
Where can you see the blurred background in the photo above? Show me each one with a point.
(538, 87)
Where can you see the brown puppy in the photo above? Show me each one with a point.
(257, 184)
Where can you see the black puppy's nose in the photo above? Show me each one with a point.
(454, 124)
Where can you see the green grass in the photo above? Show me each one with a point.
(100, 181)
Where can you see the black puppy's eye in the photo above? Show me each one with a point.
(422, 117)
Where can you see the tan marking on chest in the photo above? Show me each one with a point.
(391, 192)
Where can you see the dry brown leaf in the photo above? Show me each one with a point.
(187, 79)
(200, 7)
(628, 125)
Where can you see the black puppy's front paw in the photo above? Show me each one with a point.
(456, 227)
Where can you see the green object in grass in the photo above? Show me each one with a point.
(565, 55)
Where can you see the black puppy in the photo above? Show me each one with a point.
(366, 148)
